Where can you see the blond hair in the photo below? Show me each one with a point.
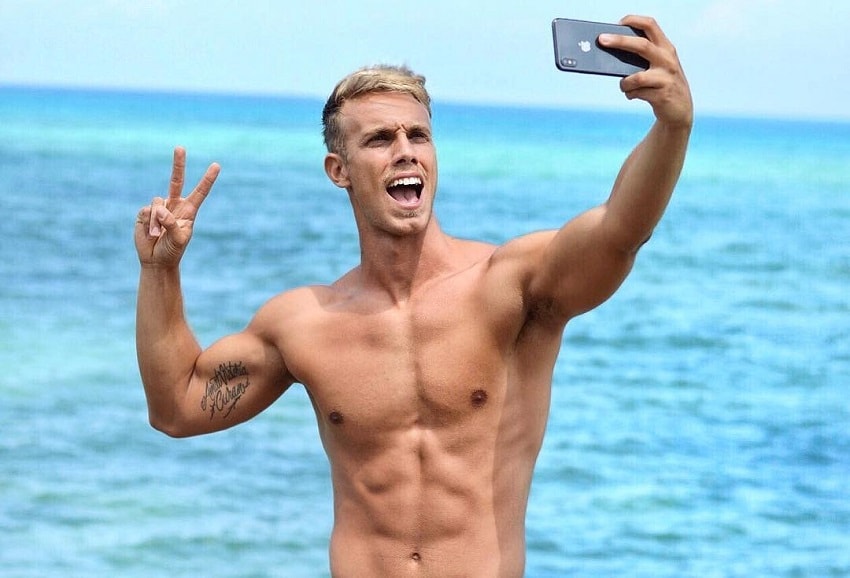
(379, 78)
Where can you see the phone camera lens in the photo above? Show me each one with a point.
(569, 62)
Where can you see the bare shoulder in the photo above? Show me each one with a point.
(290, 307)
(525, 246)
(519, 257)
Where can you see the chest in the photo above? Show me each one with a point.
(440, 360)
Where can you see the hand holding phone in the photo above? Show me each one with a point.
(577, 48)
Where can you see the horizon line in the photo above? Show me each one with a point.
(436, 101)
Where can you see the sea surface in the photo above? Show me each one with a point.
(700, 422)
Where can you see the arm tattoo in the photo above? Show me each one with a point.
(227, 386)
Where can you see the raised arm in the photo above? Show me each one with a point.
(582, 264)
(190, 391)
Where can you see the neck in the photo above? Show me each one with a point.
(399, 265)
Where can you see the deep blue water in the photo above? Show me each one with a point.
(699, 422)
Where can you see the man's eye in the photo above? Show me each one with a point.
(377, 140)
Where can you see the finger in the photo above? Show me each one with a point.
(649, 26)
(166, 219)
(204, 186)
(143, 217)
(640, 94)
(154, 226)
(178, 170)
(649, 79)
(635, 44)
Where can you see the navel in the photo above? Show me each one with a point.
(415, 557)
(335, 417)
(478, 398)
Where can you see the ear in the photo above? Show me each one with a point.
(337, 170)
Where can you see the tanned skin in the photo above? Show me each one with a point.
(430, 364)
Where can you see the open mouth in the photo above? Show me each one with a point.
(406, 190)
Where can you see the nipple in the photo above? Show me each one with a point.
(478, 398)
(335, 417)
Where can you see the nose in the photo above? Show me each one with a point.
(404, 152)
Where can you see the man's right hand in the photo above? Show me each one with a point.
(164, 227)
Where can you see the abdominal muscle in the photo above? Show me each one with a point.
(432, 501)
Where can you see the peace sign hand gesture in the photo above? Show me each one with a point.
(164, 227)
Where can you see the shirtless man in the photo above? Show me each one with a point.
(430, 364)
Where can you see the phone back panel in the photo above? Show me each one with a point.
(576, 49)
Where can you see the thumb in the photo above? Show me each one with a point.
(164, 219)
(157, 213)
(173, 237)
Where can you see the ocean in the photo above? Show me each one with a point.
(700, 421)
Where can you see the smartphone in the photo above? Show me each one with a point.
(577, 49)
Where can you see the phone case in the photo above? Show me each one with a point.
(576, 48)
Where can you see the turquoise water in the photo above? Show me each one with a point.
(699, 422)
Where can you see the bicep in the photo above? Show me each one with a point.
(233, 380)
(578, 267)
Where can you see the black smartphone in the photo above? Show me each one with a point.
(577, 49)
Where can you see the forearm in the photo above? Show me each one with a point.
(645, 184)
(166, 348)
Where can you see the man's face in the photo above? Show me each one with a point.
(389, 166)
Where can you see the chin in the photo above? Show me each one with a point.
(412, 223)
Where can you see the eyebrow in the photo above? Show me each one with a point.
(385, 131)
(381, 132)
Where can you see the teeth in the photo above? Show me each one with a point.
(406, 182)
